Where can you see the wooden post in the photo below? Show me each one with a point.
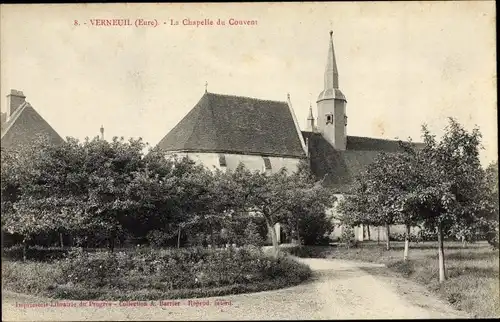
(179, 237)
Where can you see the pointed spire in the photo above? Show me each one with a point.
(206, 87)
(331, 72)
(310, 119)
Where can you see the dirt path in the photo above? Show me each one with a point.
(338, 290)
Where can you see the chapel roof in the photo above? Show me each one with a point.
(234, 124)
(339, 168)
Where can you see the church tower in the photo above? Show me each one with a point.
(332, 119)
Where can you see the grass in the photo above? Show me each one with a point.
(473, 271)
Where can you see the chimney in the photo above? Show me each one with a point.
(102, 132)
(14, 100)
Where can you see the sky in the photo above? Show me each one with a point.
(401, 64)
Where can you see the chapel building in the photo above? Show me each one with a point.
(223, 130)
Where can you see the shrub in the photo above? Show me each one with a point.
(147, 272)
(314, 228)
(414, 238)
(30, 277)
(426, 235)
(306, 251)
(34, 253)
(404, 267)
(493, 237)
(347, 236)
(252, 236)
(158, 238)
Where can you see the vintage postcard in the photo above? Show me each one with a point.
(247, 161)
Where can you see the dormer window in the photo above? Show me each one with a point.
(222, 160)
(329, 118)
(267, 164)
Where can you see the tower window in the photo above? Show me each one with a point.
(222, 160)
(267, 163)
(329, 118)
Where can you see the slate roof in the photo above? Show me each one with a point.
(233, 124)
(339, 168)
(24, 125)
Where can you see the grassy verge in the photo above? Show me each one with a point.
(155, 275)
(473, 271)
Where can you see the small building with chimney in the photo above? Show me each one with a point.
(223, 130)
(22, 124)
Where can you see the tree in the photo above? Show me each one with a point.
(153, 192)
(307, 215)
(451, 194)
(383, 194)
(17, 165)
(491, 182)
(404, 172)
(109, 168)
(75, 187)
(263, 195)
(180, 196)
(270, 196)
(357, 207)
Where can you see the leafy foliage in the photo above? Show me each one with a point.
(101, 192)
(441, 186)
(162, 274)
(252, 236)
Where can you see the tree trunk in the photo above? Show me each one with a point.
(179, 237)
(112, 243)
(25, 249)
(378, 235)
(387, 234)
(368, 230)
(407, 243)
(61, 240)
(274, 238)
(463, 242)
(212, 237)
(299, 241)
(442, 271)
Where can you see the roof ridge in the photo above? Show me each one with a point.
(373, 138)
(12, 119)
(197, 116)
(247, 97)
(388, 140)
(212, 114)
